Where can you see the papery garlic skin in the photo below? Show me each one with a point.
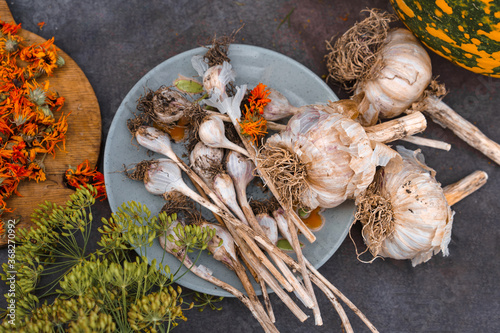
(169, 105)
(337, 153)
(279, 107)
(422, 217)
(405, 73)
(163, 176)
(217, 77)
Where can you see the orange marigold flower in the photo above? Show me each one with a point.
(2, 225)
(258, 98)
(9, 28)
(253, 125)
(84, 175)
(37, 172)
(55, 102)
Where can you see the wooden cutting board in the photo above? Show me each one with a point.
(83, 138)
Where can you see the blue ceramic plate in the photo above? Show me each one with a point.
(252, 65)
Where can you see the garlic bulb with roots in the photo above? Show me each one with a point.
(169, 105)
(405, 214)
(391, 69)
(205, 161)
(322, 159)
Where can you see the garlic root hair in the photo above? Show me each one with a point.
(355, 55)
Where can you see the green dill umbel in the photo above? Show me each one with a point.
(107, 290)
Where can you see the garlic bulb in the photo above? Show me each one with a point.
(321, 159)
(389, 68)
(215, 77)
(279, 107)
(412, 219)
(169, 105)
(224, 188)
(225, 252)
(204, 160)
(241, 171)
(402, 79)
(212, 134)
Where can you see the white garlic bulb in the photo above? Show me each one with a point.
(203, 160)
(279, 107)
(403, 76)
(212, 134)
(418, 219)
(332, 151)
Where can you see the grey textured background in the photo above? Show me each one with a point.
(116, 42)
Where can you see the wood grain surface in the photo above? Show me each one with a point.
(83, 138)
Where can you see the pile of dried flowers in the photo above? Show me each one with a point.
(29, 128)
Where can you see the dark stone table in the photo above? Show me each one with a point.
(116, 42)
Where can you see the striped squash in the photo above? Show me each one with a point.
(466, 32)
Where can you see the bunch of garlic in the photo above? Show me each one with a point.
(405, 214)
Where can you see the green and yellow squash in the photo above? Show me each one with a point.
(466, 32)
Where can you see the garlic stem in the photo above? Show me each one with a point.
(261, 316)
(315, 276)
(417, 140)
(211, 132)
(272, 283)
(270, 124)
(241, 169)
(346, 325)
(446, 117)
(396, 129)
(166, 177)
(267, 223)
(464, 187)
(301, 260)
